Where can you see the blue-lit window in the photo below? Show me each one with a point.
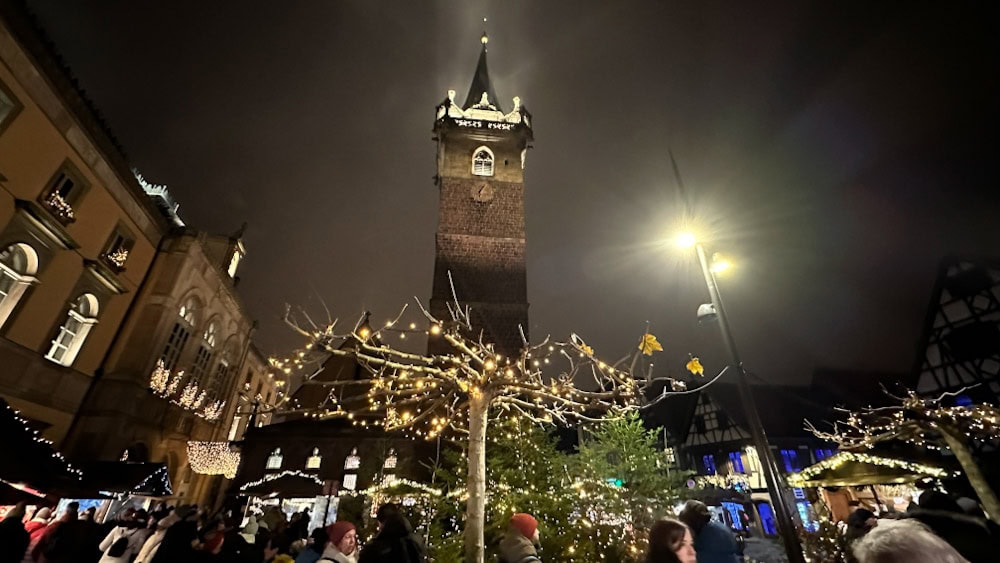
(823, 453)
(963, 401)
(737, 461)
(708, 461)
(791, 460)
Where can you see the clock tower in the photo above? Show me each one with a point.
(480, 236)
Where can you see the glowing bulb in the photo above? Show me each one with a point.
(686, 240)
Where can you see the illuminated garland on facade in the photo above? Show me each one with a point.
(213, 458)
(840, 458)
(191, 398)
(286, 473)
(723, 481)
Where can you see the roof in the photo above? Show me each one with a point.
(782, 408)
(32, 460)
(481, 83)
(143, 479)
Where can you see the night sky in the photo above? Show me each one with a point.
(836, 153)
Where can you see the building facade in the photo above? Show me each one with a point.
(77, 234)
(480, 241)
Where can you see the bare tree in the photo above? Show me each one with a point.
(924, 422)
(457, 393)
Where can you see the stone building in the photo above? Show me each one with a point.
(77, 233)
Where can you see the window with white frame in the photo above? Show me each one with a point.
(353, 461)
(390, 460)
(81, 317)
(482, 162)
(274, 460)
(315, 460)
(18, 266)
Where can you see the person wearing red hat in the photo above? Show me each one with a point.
(518, 543)
(342, 546)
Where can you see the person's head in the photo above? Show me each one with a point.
(862, 519)
(43, 514)
(695, 514)
(385, 512)
(936, 500)
(904, 541)
(73, 507)
(343, 536)
(526, 524)
(670, 541)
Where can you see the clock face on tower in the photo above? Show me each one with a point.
(482, 192)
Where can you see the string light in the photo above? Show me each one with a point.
(803, 478)
(213, 458)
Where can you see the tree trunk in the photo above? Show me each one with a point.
(986, 495)
(475, 511)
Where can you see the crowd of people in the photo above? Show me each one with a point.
(937, 530)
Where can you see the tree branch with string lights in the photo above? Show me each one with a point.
(458, 393)
(925, 422)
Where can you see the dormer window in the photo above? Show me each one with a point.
(234, 262)
(116, 252)
(274, 460)
(482, 162)
(390, 460)
(353, 461)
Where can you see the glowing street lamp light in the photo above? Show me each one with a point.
(769, 466)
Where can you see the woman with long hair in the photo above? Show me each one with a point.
(670, 541)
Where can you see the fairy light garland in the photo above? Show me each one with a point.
(274, 476)
(36, 436)
(840, 458)
(213, 458)
(191, 398)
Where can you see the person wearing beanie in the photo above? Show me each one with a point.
(342, 544)
(518, 543)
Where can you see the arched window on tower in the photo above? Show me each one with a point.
(482, 162)
(81, 317)
(274, 460)
(315, 460)
(18, 266)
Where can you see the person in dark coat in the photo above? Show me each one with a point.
(713, 541)
(177, 541)
(14, 539)
(977, 539)
(395, 542)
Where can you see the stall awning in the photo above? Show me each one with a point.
(127, 478)
(853, 469)
(31, 459)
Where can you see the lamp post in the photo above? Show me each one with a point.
(769, 465)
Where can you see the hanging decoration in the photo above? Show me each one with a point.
(840, 458)
(213, 458)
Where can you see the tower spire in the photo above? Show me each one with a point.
(481, 90)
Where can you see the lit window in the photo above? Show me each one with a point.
(234, 263)
(18, 265)
(9, 107)
(188, 310)
(390, 460)
(61, 194)
(388, 480)
(823, 453)
(72, 334)
(482, 162)
(350, 482)
(116, 252)
(708, 461)
(234, 430)
(737, 460)
(314, 461)
(353, 461)
(210, 336)
(274, 460)
(791, 460)
(670, 454)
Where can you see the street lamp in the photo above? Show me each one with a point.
(769, 465)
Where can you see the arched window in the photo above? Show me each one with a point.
(211, 335)
(18, 265)
(179, 334)
(274, 460)
(390, 460)
(315, 460)
(81, 318)
(199, 370)
(482, 162)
